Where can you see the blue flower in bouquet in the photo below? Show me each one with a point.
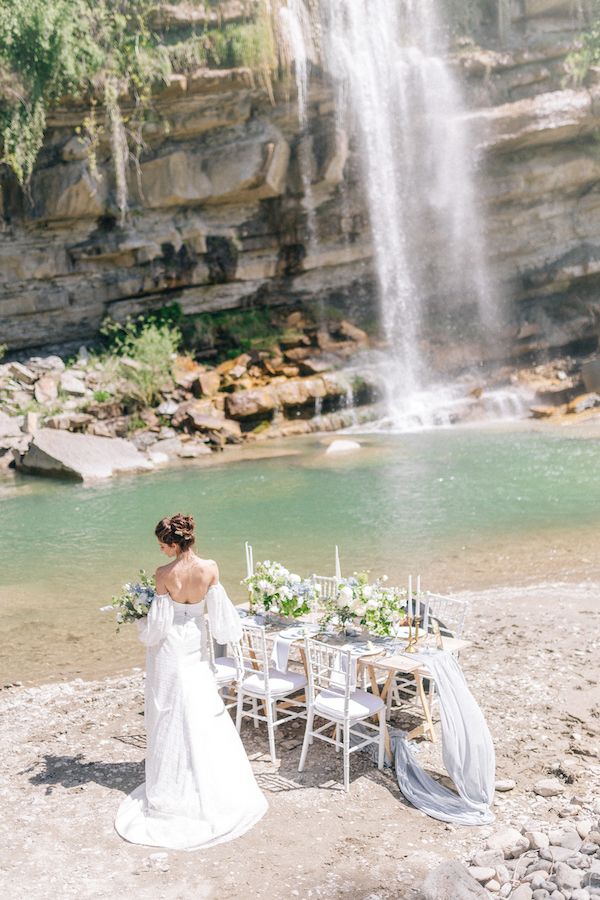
(134, 601)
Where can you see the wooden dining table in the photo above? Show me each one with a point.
(383, 668)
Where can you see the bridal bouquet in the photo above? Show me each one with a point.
(375, 607)
(274, 589)
(134, 600)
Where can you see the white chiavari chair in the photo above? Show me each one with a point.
(264, 687)
(334, 697)
(450, 614)
(228, 670)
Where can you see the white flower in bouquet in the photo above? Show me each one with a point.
(295, 579)
(345, 596)
(134, 601)
(359, 610)
(367, 591)
(373, 604)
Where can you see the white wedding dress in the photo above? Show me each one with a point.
(200, 789)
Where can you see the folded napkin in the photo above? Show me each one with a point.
(280, 654)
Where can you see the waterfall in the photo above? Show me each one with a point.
(398, 98)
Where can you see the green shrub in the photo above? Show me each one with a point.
(146, 348)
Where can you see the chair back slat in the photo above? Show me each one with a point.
(254, 650)
(450, 612)
(328, 586)
(329, 668)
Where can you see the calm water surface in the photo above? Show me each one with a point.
(466, 509)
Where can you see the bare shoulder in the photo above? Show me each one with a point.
(160, 577)
(211, 568)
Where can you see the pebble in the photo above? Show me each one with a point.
(493, 886)
(548, 787)
(566, 878)
(556, 854)
(505, 784)
(584, 828)
(537, 839)
(481, 874)
(523, 892)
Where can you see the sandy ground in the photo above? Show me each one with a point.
(70, 752)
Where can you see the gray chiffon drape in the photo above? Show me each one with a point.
(467, 752)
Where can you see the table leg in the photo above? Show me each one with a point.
(377, 693)
(428, 727)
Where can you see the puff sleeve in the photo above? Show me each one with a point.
(225, 623)
(154, 627)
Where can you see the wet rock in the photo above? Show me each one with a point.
(193, 450)
(451, 881)
(580, 404)
(542, 412)
(590, 373)
(347, 329)
(69, 421)
(342, 446)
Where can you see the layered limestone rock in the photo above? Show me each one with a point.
(218, 206)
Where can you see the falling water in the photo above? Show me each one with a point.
(296, 34)
(397, 96)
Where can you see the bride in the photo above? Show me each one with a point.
(200, 789)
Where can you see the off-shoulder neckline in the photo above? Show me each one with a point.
(187, 603)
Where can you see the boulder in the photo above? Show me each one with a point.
(248, 404)
(84, 457)
(45, 390)
(68, 191)
(22, 373)
(207, 383)
(8, 426)
(451, 881)
(71, 384)
(343, 446)
(590, 373)
(583, 402)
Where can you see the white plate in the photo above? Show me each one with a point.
(299, 631)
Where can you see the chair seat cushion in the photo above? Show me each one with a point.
(225, 670)
(362, 704)
(280, 683)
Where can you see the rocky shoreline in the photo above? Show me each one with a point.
(314, 379)
(77, 747)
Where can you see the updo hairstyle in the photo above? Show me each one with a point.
(177, 529)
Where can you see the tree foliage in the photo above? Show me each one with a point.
(103, 50)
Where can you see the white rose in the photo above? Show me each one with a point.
(360, 610)
(295, 579)
(263, 585)
(344, 597)
(367, 591)
(372, 604)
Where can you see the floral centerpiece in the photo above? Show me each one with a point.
(274, 589)
(372, 605)
(134, 600)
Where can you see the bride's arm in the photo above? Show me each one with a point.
(225, 623)
(154, 627)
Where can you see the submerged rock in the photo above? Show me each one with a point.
(85, 457)
(342, 446)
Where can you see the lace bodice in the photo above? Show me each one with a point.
(165, 612)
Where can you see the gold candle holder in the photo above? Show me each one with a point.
(413, 639)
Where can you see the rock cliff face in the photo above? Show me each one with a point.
(219, 218)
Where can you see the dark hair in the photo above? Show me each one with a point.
(177, 529)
